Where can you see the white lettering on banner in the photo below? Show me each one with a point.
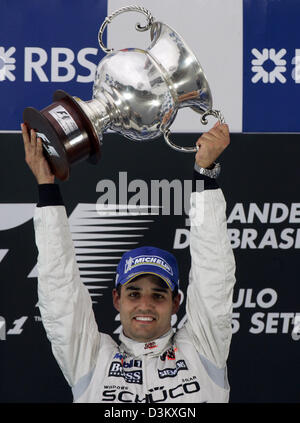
(246, 297)
(296, 329)
(3, 253)
(36, 65)
(269, 213)
(2, 329)
(182, 239)
(296, 70)
(62, 59)
(16, 330)
(257, 238)
(250, 238)
(18, 326)
(262, 321)
(235, 324)
(57, 64)
(82, 60)
(13, 215)
(272, 323)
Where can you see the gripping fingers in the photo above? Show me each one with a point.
(224, 128)
(33, 140)
(39, 147)
(26, 138)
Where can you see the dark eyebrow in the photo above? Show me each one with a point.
(132, 288)
(135, 288)
(160, 289)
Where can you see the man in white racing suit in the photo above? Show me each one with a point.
(153, 363)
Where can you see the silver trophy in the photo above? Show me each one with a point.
(136, 93)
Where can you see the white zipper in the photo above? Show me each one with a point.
(145, 375)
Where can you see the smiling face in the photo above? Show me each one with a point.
(146, 307)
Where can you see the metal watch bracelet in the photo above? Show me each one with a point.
(211, 173)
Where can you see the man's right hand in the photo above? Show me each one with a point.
(34, 157)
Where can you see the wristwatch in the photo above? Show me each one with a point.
(212, 172)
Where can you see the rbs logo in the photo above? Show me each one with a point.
(62, 64)
(62, 61)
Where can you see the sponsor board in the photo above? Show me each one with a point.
(101, 232)
(259, 63)
(268, 276)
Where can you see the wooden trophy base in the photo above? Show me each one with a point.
(67, 134)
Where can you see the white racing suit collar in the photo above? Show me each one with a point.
(155, 347)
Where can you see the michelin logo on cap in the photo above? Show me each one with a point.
(148, 260)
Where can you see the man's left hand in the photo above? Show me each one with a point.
(211, 144)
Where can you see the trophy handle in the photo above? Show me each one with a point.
(216, 113)
(138, 26)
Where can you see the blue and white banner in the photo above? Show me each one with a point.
(271, 80)
(45, 46)
(249, 51)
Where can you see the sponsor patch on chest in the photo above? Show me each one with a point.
(180, 365)
(116, 370)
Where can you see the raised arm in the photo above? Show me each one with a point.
(64, 301)
(209, 297)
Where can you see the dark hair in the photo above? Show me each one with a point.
(155, 279)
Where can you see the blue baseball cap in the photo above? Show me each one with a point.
(148, 260)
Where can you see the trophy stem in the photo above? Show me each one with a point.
(96, 112)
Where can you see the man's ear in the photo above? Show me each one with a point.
(176, 304)
(116, 299)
